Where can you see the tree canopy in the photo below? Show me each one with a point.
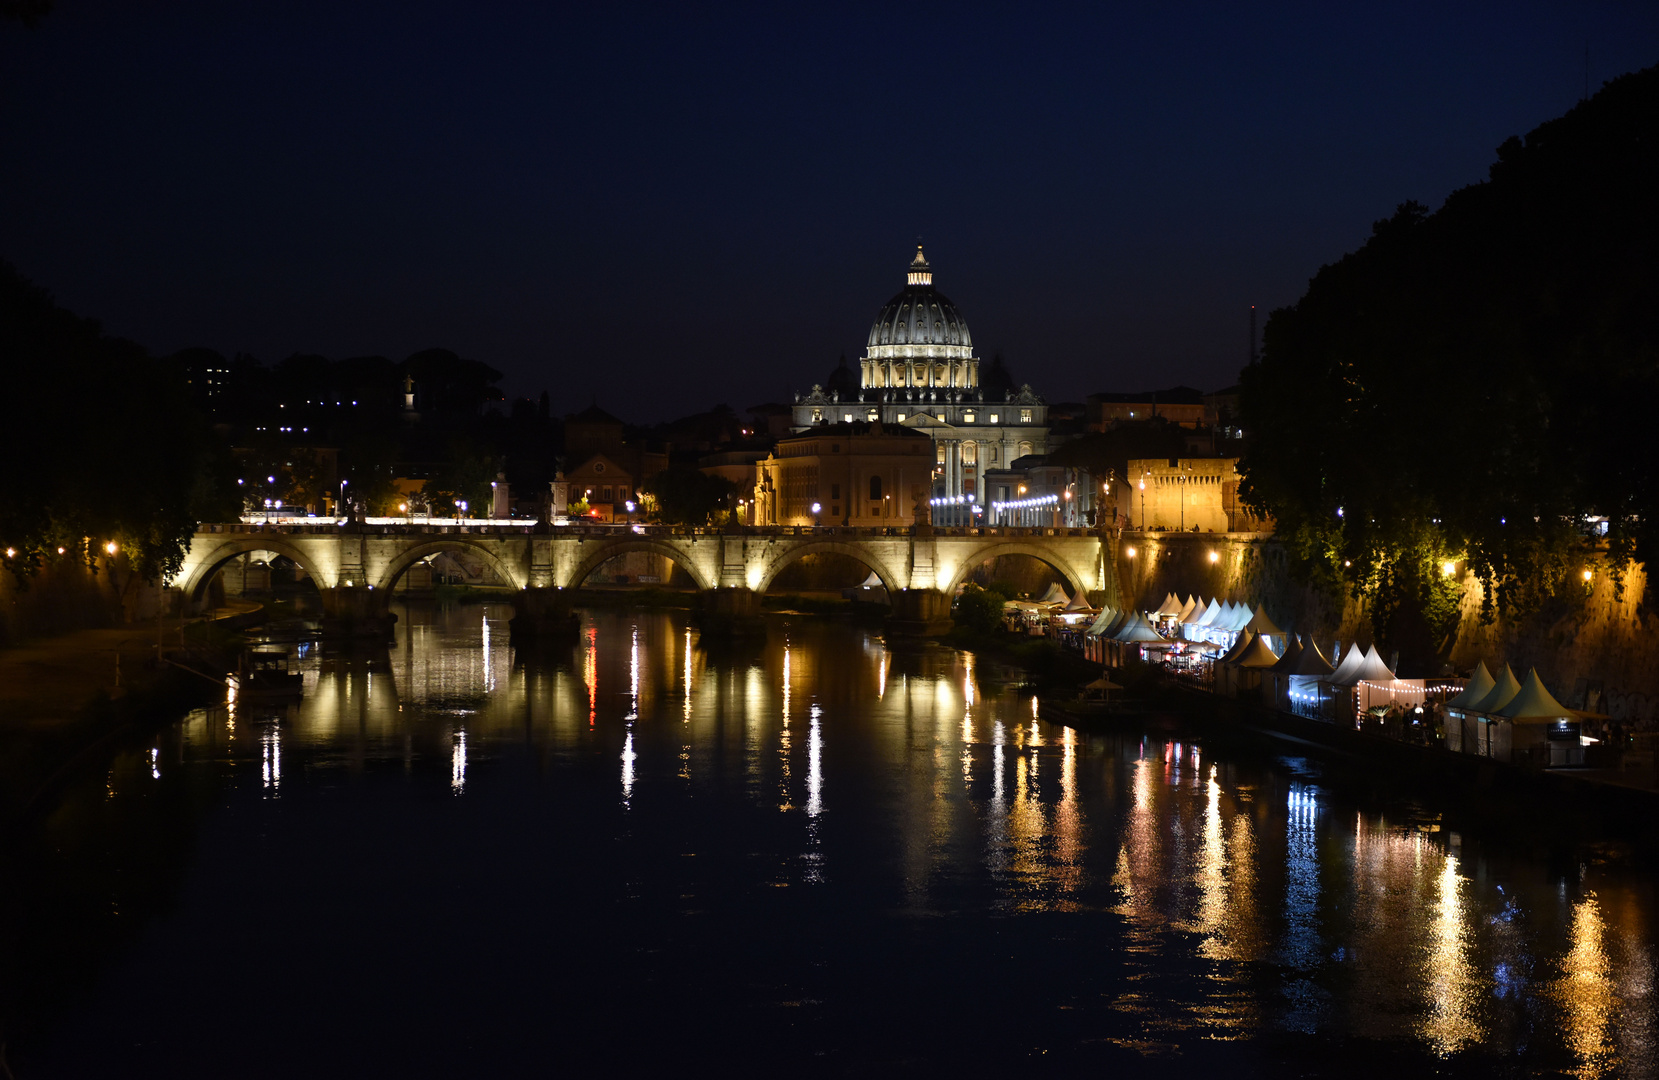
(1472, 384)
(99, 443)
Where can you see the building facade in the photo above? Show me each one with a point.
(1186, 494)
(859, 473)
(919, 371)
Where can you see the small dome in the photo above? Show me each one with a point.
(920, 321)
(843, 381)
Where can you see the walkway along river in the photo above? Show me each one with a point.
(813, 852)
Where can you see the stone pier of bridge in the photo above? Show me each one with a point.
(355, 567)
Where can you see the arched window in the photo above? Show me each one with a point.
(875, 489)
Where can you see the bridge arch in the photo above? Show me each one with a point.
(198, 578)
(858, 552)
(609, 550)
(408, 557)
(979, 556)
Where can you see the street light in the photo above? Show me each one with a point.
(817, 509)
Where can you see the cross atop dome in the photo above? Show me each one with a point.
(920, 272)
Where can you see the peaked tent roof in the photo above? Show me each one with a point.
(1136, 629)
(1210, 614)
(1480, 684)
(1288, 659)
(1170, 606)
(1239, 646)
(1349, 663)
(1261, 624)
(1256, 655)
(1311, 662)
(1372, 668)
(1080, 602)
(1534, 702)
(1055, 594)
(1241, 618)
(1102, 621)
(1188, 608)
(1502, 693)
(871, 582)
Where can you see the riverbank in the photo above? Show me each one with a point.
(65, 699)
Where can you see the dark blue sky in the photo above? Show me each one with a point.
(667, 210)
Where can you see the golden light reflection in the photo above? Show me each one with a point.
(883, 661)
(590, 673)
(628, 757)
(1450, 1023)
(458, 761)
(270, 757)
(686, 719)
(1585, 992)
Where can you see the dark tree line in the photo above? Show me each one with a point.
(1474, 383)
(98, 444)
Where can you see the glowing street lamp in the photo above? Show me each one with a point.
(817, 509)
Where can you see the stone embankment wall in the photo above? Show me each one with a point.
(65, 596)
(1592, 650)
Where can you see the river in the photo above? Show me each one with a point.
(816, 854)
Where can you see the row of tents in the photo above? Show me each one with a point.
(1511, 720)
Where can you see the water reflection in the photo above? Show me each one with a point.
(1227, 900)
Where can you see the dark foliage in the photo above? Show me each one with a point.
(1471, 384)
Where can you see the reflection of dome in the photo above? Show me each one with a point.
(920, 321)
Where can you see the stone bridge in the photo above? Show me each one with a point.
(355, 567)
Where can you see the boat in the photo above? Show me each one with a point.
(268, 675)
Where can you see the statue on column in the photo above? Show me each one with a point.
(561, 498)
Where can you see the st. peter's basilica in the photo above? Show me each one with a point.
(919, 370)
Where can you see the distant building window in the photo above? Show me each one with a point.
(968, 417)
(874, 416)
(994, 418)
(599, 466)
(817, 415)
(605, 496)
(1025, 416)
(848, 417)
(900, 418)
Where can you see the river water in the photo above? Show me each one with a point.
(817, 854)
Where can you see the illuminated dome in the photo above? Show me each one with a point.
(920, 322)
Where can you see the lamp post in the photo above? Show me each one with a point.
(817, 509)
(267, 511)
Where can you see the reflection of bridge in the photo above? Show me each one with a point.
(355, 567)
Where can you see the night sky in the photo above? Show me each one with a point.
(667, 210)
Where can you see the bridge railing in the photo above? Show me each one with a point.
(665, 532)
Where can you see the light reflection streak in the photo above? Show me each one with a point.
(1450, 1023)
(484, 656)
(458, 761)
(1585, 992)
(814, 797)
(686, 719)
(155, 763)
(1302, 947)
(633, 675)
(270, 753)
(590, 673)
(628, 757)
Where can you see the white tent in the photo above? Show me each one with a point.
(1534, 726)
(1055, 595)
(1240, 619)
(1347, 665)
(1102, 621)
(1480, 684)
(1503, 691)
(1188, 608)
(1261, 624)
(1170, 606)
(1239, 646)
(1210, 614)
(1535, 703)
(1136, 629)
(1078, 603)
